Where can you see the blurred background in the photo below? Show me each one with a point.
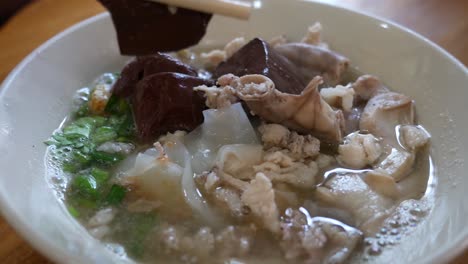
(25, 24)
(10, 7)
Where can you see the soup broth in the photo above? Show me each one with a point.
(249, 184)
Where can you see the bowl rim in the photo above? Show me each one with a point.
(51, 251)
(32, 236)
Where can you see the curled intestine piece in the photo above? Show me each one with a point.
(390, 116)
(311, 61)
(347, 191)
(368, 86)
(307, 112)
(384, 112)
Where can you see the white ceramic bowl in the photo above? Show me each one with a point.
(37, 95)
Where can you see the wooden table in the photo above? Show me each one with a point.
(441, 21)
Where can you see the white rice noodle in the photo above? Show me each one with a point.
(177, 152)
(221, 127)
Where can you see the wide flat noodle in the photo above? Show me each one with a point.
(221, 127)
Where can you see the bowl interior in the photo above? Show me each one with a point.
(37, 95)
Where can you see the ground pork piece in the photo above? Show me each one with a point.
(339, 96)
(301, 177)
(274, 135)
(259, 196)
(414, 137)
(359, 150)
(228, 80)
(279, 158)
(279, 167)
(230, 198)
(300, 146)
(218, 97)
(303, 146)
(222, 95)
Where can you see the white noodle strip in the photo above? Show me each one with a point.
(193, 196)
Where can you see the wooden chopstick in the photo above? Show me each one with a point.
(231, 8)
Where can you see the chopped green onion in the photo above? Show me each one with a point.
(115, 120)
(80, 202)
(104, 134)
(72, 210)
(124, 139)
(106, 158)
(117, 105)
(101, 176)
(71, 167)
(77, 131)
(81, 157)
(85, 185)
(127, 127)
(116, 194)
(94, 121)
(83, 110)
(59, 140)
